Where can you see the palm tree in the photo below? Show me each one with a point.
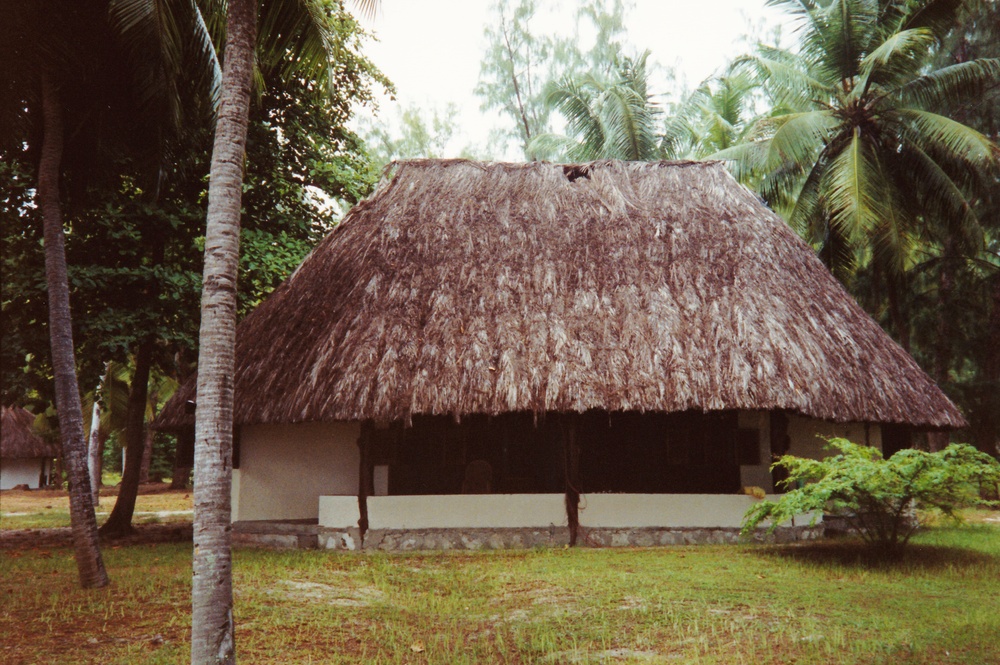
(41, 66)
(859, 152)
(716, 116)
(606, 119)
(293, 37)
(105, 65)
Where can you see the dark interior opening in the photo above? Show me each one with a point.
(517, 453)
(576, 171)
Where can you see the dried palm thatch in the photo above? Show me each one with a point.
(462, 287)
(17, 438)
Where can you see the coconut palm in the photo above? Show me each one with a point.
(719, 114)
(292, 38)
(72, 62)
(859, 152)
(605, 119)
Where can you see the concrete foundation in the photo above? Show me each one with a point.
(293, 535)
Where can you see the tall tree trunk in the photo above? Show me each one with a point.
(942, 352)
(212, 588)
(183, 456)
(899, 322)
(95, 448)
(990, 442)
(120, 521)
(81, 507)
(147, 456)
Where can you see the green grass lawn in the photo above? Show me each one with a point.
(818, 603)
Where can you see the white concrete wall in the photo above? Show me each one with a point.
(669, 510)
(284, 469)
(466, 511)
(542, 510)
(807, 435)
(339, 512)
(20, 471)
(234, 496)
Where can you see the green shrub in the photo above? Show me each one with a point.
(877, 496)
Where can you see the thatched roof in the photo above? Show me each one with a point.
(17, 438)
(462, 287)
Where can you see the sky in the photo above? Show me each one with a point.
(431, 49)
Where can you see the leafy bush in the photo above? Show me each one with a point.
(877, 495)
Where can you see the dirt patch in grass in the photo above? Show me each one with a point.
(340, 595)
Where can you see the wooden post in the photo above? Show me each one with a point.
(780, 443)
(572, 467)
(364, 475)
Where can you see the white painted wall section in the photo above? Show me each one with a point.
(21, 471)
(284, 469)
(670, 510)
(339, 512)
(234, 496)
(496, 511)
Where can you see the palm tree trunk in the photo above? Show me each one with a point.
(899, 322)
(120, 521)
(990, 441)
(942, 353)
(147, 456)
(89, 563)
(95, 448)
(212, 589)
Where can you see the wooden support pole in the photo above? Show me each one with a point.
(365, 472)
(572, 467)
(780, 443)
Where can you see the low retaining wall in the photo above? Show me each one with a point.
(467, 511)
(472, 522)
(465, 539)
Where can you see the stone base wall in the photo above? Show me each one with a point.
(656, 536)
(465, 539)
(399, 540)
(300, 536)
(348, 539)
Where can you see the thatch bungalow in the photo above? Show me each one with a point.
(25, 458)
(535, 352)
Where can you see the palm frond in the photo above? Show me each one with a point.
(800, 136)
(940, 194)
(576, 104)
(744, 161)
(935, 132)
(849, 28)
(937, 15)
(897, 59)
(891, 239)
(171, 52)
(807, 216)
(630, 132)
(851, 197)
(294, 38)
(950, 85)
(558, 147)
(787, 83)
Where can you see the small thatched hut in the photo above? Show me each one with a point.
(25, 458)
(634, 333)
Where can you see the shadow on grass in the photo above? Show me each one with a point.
(853, 553)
